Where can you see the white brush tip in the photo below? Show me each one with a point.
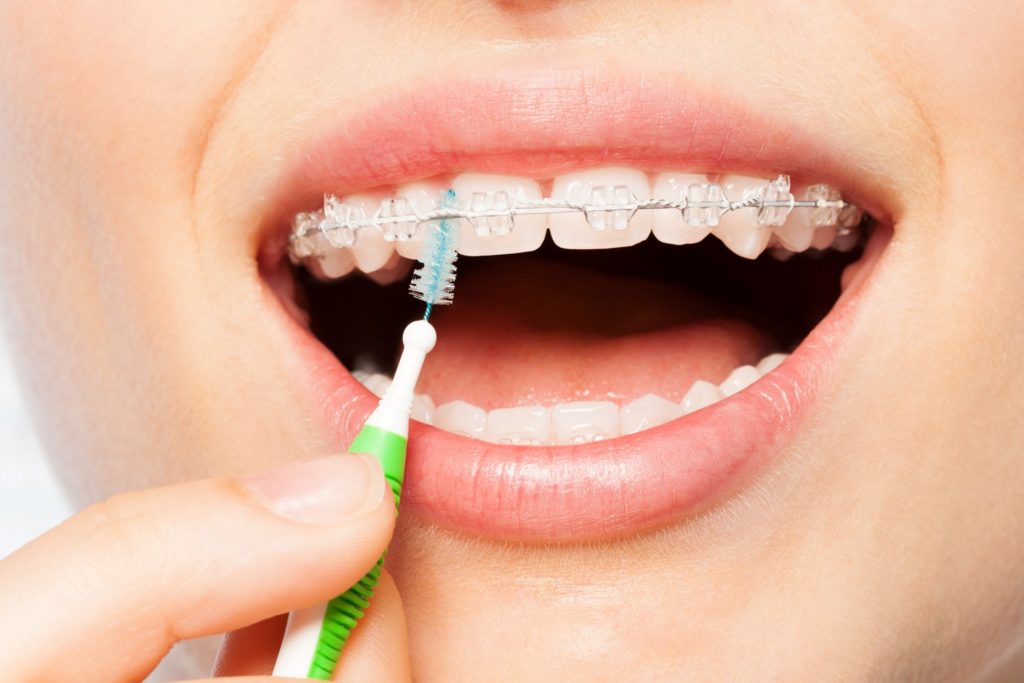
(420, 335)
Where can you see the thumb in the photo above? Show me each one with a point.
(120, 583)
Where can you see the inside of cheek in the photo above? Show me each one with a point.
(555, 326)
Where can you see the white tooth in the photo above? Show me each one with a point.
(701, 395)
(397, 268)
(823, 237)
(422, 198)
(377, 384)
(798, 233)
(490, 236)
(585, 421)
(801, 228)
(669, 225)
(769, 363)
(334, 263)
(459, 417)
(646, 412)
(739, 379)
(371, 250)
(360, 376)
(423, 409)
(604, 228)
(846, 242)
(529, 425)
(739, 230)
(781, 254)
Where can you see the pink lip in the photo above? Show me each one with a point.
(539, 125)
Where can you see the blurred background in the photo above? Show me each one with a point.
(30, 499)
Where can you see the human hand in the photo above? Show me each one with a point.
(104, 596)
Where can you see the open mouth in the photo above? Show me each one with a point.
(591, 353)
(598, 330)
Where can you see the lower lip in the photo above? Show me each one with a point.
(599, 490)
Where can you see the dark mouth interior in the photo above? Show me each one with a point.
(361, 321)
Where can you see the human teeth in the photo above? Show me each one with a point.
(397, 268)
(611, 220)
(740, 230)
(415, 198)
(846, 241)
(567, 423)
(646, 412)
(740, 378)
(701, 395)
(498, 235)
(781, 254)
(370, 248)
(769, 363)
(530, 425)
(332, 263)
(585, 421)
(669, 225)
(802, 229)
(823, 237)
(377, 384)
(423, 409)
(459, 417)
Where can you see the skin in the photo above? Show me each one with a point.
(136, 144)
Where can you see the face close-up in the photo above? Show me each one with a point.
(730, 387)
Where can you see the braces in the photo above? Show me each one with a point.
(494, 213)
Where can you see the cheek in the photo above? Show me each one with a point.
(104, 120)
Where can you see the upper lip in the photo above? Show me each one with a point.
(539, 124)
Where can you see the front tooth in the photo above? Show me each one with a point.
(740, 230)
(669, 225)
(423, 409)
(769, 363)
(647, 412)
(526, 426)
(739, 379)
(416, 198)
(585, 421)
(459, 417)
(601, 228)
(701, 395)
(491, 236)
(371, 250)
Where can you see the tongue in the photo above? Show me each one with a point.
(526, 331)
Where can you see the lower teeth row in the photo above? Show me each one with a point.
(571, 423)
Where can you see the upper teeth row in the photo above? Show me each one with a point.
(605, 208)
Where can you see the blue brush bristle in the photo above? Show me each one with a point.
(434, 281)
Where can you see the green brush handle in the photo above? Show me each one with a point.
(344, 612)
